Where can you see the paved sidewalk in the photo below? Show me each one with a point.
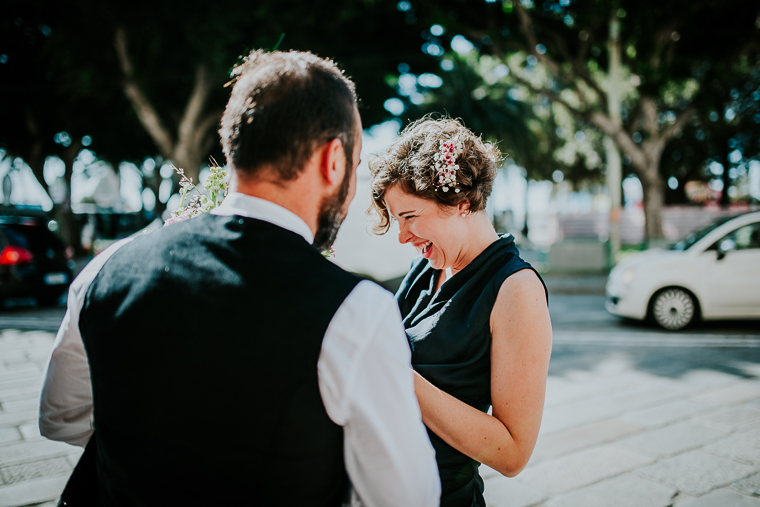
(669, 423)
(672, 424)
(33, 470)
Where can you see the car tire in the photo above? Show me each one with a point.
(674, 309)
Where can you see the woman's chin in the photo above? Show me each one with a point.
(435, 263)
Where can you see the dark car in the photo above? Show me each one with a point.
(34, 262)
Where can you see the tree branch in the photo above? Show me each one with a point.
(550, 93)
(580, 71)
(199, 95)
(201, 131)
(527, 22)
(145, 111)
(554, 67)
(621, 138)
(649, 115)
(681, 120)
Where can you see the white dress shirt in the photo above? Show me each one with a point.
(364, 370)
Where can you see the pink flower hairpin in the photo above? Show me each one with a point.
(446, 166)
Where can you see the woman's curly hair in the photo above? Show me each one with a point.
(409, 162)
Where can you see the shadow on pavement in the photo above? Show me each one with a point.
(672, 362)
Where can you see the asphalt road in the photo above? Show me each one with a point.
(574, 317)
(582, 319)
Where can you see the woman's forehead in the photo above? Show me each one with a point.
(399, 201)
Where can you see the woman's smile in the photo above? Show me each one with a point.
(424, 247)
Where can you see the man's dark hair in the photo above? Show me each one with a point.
(283, 106)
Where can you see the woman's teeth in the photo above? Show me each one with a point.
(425, 247)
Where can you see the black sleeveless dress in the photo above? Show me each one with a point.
(450, 336)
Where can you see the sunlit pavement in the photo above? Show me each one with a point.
(638, 417)
(33, 470)
(634, 416)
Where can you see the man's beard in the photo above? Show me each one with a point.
(331, 216)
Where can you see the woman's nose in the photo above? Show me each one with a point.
(404, 236)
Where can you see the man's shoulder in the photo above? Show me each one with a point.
(368, 292)
(363, 309)
(178, 237)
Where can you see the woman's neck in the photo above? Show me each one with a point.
(481, 235)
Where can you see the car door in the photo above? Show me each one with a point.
(735, 278)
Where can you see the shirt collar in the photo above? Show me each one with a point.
(254, 207)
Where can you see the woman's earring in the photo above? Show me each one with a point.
(464, 215)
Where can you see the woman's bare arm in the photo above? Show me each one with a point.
(520, 351)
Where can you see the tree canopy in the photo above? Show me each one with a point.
(560, 49)
(146, 79)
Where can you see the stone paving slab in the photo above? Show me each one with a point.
(578, 386)
(737, 418)
(32, 492)
(39, 469)
(618, 430)
(551, 445)
(697, 472)
(743, 447)
(731, 394)
(748, 486)
(33, 470)
(504, 492)
(625, 490)
(583, 412)
(583, 468)
(723, 498)
(31, 450)
(662, 415)
(673, 439)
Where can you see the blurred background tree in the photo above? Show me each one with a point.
(144, 82)
(723, 136)
(146, 79)
(558, 49)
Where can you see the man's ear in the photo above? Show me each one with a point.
(332, 167)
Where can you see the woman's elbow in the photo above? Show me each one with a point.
(513, 466)
(512, 472)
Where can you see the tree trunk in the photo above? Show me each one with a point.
(645, 158)
(654, 203)
(35, 158)
(725, 201)
(65, 214)
(188, 146)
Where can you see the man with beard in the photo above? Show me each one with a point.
(223, 360)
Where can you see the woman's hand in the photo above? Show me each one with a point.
(520, 350)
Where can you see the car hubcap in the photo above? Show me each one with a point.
(673, 309)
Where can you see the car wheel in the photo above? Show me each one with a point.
(673, 309)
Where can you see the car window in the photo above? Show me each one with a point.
(745, 237)
(700, 233)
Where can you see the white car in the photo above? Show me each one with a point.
(714, 273)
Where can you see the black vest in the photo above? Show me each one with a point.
(203, 340)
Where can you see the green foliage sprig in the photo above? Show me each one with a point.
(216, 186)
